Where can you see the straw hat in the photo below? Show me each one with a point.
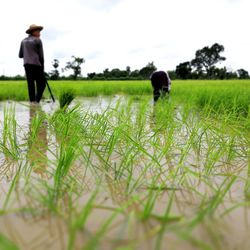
(33, 27)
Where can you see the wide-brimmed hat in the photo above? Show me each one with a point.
(33, 27)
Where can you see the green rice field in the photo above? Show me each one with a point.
(114, 171)
(232, 94)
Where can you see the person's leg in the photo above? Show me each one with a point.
(40, 84)
(156, 88)
(156, 94)
(29, 70)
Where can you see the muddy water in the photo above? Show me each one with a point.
(22, 109)
(39, 230)
(50, 232)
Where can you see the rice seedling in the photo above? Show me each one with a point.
(6, 244)
(9, 145)
(66, 97)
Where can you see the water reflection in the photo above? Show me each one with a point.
(29, 232)
(37, 140)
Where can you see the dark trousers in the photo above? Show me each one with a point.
(36, 82)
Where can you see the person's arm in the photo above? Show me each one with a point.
(40, 52)
(21, 51)
(169, 83)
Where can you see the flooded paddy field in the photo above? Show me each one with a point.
(121, 173)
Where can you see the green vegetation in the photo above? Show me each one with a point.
(66, 97)
(6, 244)
(132, 175)
(221, 95)
(18, 90)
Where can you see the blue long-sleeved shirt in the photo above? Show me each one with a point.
(31, 50)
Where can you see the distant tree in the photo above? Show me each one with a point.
(172, 74)
(147, 71)
(115, 73)
(231, 75)
(3, 78)
(75, 65)
(99, 76)
(219, 73)
(128, 69)
(12, 78)
(207, 58)
(54, 74)
(242, 74)
(118, 74)
(184, 70)
(106, 73)
(127, 74)
(19, 77)
(91, 76)
(135, 74)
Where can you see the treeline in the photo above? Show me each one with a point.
(12, 78)
(183, 73)
(203, 66)
(117, 74)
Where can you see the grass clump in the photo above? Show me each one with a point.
(66, 97)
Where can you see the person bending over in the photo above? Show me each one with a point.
(161, 84)
(31, 50)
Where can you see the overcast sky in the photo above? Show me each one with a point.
(118, 33)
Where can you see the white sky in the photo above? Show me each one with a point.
(118, 33)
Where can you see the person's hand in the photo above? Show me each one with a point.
(46, 75)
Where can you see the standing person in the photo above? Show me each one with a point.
(161, 84)
(31, 51)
